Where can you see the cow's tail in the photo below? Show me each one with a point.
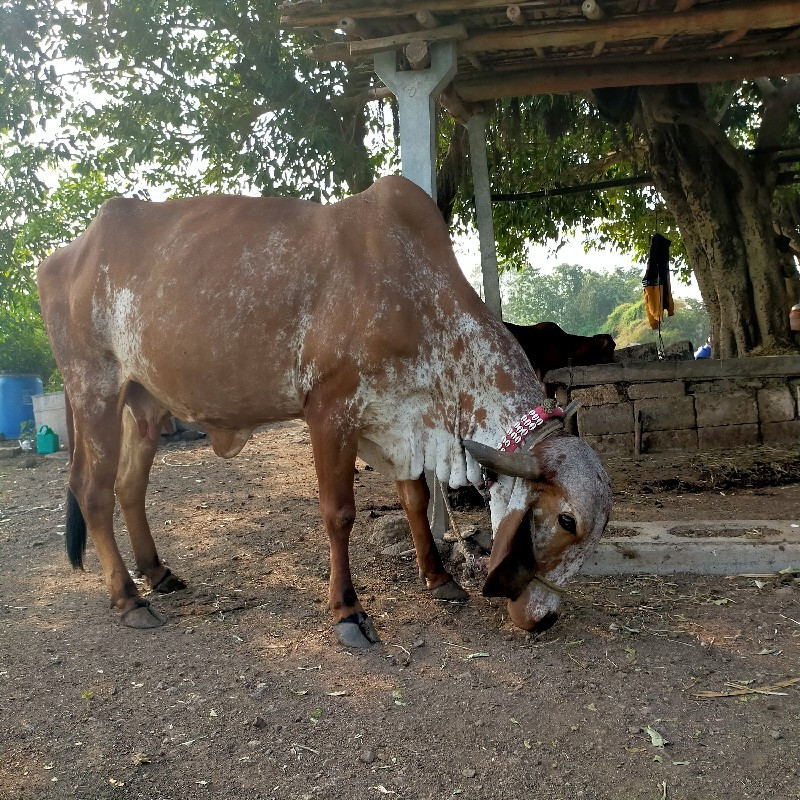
(75, 535)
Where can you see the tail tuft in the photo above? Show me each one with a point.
(75, 536)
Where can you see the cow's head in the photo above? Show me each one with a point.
(549, 507)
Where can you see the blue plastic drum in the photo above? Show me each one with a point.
(16, 405)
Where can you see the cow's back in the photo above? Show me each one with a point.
(256, 299)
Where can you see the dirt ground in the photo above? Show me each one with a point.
(245, 693)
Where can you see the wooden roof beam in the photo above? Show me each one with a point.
(517, 17)
(345, 51)
(731, 38)
(662, 41)
(565, 79)
(298, 15)
(426, 19)
(770, 14)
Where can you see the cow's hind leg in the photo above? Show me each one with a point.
(334, 460)
(92, 475)
(136, 459)
(414, 497)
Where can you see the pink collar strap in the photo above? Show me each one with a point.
(527, 424)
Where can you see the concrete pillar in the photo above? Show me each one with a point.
(476, 128)
(416, 92)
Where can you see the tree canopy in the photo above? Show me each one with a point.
(189, 96)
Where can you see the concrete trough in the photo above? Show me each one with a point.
(701, 547)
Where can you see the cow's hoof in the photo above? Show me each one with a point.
(143, 616)
(356, 631)
(169, 583)
(450, 591)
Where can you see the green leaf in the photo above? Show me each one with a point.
(656, 739)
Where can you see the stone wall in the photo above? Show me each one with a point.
(684, 405)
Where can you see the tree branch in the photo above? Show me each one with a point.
(779, 106)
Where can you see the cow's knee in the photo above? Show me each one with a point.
(96, 500)
(129, 494)
(339, 519)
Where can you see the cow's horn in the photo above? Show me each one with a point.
(516, 465)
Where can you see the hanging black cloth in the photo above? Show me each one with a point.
(657, 293)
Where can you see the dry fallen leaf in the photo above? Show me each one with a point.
(656, 738)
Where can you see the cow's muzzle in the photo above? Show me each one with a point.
(536, 609)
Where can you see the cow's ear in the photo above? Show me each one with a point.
(512, 564)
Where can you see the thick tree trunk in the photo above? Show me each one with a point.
(722, 207)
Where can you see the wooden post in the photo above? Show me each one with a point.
(516, 15)
(426, 19)
(352, 29)
(476, 127)
(418, 55)
(591, 10)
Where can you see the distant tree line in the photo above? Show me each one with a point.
(585, 301)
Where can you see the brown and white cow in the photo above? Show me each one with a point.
(235, 311)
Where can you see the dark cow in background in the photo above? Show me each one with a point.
(548, 347)
(232, 312)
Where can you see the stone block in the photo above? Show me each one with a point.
(756, 367)
(602, 420)
(598, 395)
(720, 437)
(794, 388)
(586, 376)
(679, 351)
(612, 444)
(760, 366)
(775, 405)
(663, 441)
(650, 371)
(788, 431)
(636, 352)
(666, 413)
(723, 386)
(731, 409)
(644, 391)
(9, 450)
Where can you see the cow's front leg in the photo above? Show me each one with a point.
(414, 497)
(334, 460)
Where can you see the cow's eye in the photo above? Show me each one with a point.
(567, 522)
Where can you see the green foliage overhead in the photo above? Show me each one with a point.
(552, 141)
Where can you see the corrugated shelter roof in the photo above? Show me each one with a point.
(553, 46)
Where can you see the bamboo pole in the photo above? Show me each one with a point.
(770, 14)
(561, 80)
(296, 15)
